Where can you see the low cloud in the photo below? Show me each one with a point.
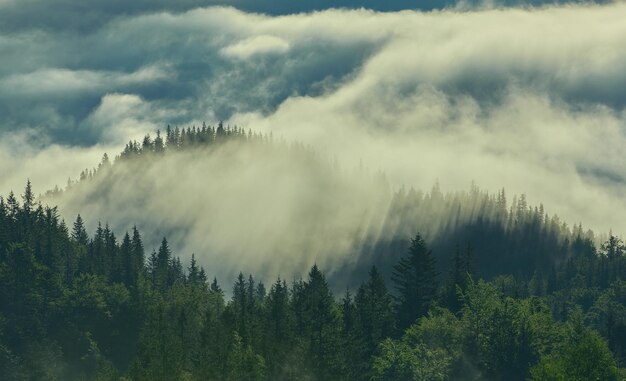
(46, 83)
(256, 45)
(24, 156)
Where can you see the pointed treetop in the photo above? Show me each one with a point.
(28, 197)
(79, 233)
(215, 287)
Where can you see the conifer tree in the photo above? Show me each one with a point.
(374, 311)
(126, 268)
(79, 233)
(193, 271)
(138, 253)
(415, 280)
(12, 206)
(322, 326)
(215, 287)
(29, 198)
(163, 263)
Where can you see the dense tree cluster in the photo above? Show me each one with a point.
(80, 307)
(507, 237)
(190, 137)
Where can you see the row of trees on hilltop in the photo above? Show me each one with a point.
(80, 307)
(190, 137)
(176, 140)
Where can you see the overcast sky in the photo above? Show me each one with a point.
(530, 96)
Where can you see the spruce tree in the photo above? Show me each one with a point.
(138, 252)
(192, 270)
(29, 198)
(79, 233)
(322, 326)
(162, 273)
(374, 310)
(415, 280)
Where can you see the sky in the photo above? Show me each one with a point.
(530, 96)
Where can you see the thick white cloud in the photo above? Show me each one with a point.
(256, 45)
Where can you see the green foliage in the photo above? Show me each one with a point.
(583, 356)
(442, 330)
(243, 363)
(321, 323)
(90, 308)
(400, 361)
(415, 280)
(608, 317)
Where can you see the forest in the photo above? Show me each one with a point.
(501, 292)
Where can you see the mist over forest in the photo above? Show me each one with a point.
(322, 190)
(261, 200)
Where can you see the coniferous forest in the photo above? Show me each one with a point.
(500, 292)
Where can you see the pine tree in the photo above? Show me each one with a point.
(105, 163)
(79, 233)
(193, 271)
(126, 269)
(415, 280)
(352, 342)
(109, 256)
(457, 279)
(240, 308)
(163, 263)
(374, 316)
(138, 253)
(153, 266)
(12, 206)
(96, 251)
(29, 198)
(322, 326)
(175, 272)
(374, 309)
(159, 146)
(277, 329)
(202, 279)
(613, 247)
(146, 145)
(215, 287)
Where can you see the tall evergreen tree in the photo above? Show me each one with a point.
(163, 263)
(193, 271)
(79, 233)
(138, 266)
(415, 280)
(458, 277)
(126, 267)
(215, 287)
(374, 311)
(29, 198)
(277, 330)
(322, 326)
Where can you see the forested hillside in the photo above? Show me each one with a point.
(75, 307)
(240, 201)
(261, 199)
(457, 286)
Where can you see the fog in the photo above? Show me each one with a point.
(532, 100)
(267, 208)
